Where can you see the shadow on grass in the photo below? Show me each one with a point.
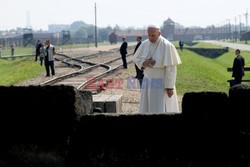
(209, 52)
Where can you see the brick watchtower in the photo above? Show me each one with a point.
(168, 29)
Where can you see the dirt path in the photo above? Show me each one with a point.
(230, 45)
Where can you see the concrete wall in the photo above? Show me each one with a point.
(213, 130)
(36, 123)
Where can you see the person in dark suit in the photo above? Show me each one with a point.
(139, 72)
(181, 44)
(238, 67)
(123, 51)
(38, 46)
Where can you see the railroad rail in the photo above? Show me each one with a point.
(93, 70)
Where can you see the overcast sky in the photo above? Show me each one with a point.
(125, 13)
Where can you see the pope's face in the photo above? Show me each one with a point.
(153, 34)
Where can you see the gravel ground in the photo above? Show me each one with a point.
(60, 70)
(131, 97)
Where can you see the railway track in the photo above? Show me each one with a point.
(89, 68)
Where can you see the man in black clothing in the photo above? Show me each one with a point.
(123, 51)
(38, 46)
(139, 72)
(238, 67)
(181, 44)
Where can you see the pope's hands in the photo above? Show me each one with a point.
(148, 63)
(169, 92)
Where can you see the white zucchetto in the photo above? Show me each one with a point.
(154, 26)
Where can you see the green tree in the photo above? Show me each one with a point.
(75, 26)
(104, 34)
(81, 33)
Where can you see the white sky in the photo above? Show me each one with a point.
(125, 13)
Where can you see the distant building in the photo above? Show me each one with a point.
(112, 38)
(131, 35)
(58, 27)
(168, 30)
(19, 30)
(245, 36)
(172, 33)
(189, 34)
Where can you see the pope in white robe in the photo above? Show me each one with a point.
(159, 59)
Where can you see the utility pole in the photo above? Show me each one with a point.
(95, 27)
(240, 23)
(246, 14)
(235, 29)
(224, 30)
(229, 24)
(246, 25)
(221, 31)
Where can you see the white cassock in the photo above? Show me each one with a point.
(154, 98)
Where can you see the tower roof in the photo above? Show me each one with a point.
(169, 21)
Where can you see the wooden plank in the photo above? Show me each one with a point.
(230, 69)
(244, 80)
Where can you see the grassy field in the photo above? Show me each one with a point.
(18, 51)
(16, 70)
(205, 45)
(198, 73)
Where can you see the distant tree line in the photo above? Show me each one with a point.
(81, 30)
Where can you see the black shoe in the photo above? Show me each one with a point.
(46, 75)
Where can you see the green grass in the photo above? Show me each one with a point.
(13, 71)
(18, 51)
(198, 73)
(206, 45)
(199, 45)
(31, 49)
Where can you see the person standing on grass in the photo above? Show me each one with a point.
(181, 44)
(159, 59)
(42, 53)
(12, 47)
(49, 58)
(38, 46)
(238, 67)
